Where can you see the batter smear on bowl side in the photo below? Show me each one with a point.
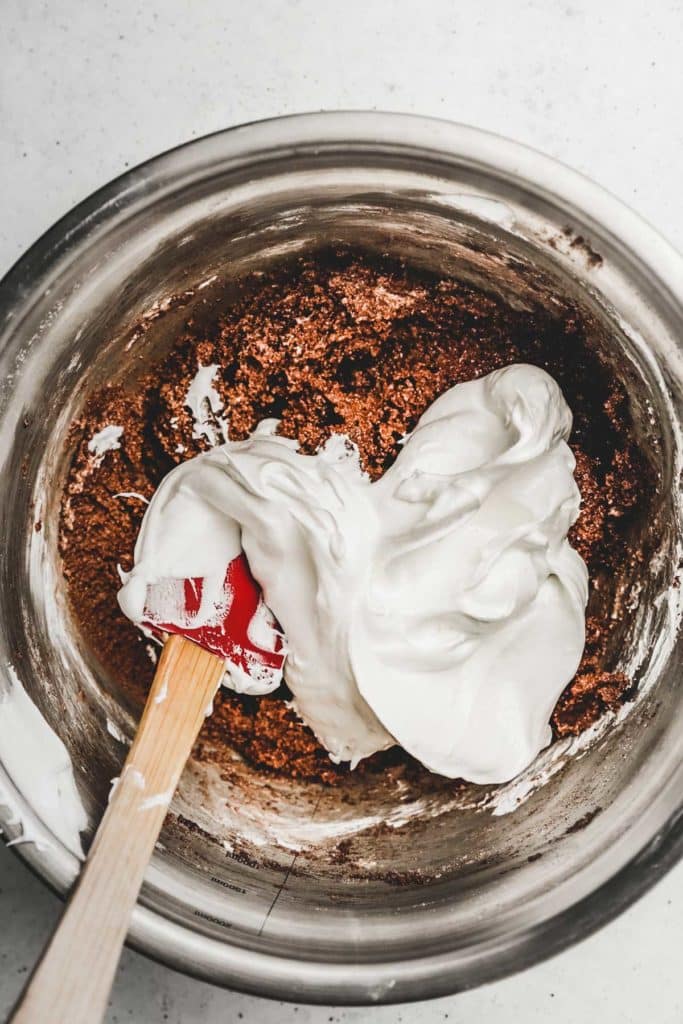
(338, 344)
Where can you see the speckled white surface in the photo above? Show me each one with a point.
(90, 88)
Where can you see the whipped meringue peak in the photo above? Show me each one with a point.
(440, 607)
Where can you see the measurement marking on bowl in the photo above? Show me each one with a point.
(284, 881)
(212, 919)
(228, 885)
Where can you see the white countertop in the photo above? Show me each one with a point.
(88, 89)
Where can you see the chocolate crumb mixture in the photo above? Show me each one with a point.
(338, 342)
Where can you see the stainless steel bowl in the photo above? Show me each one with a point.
(286, 889)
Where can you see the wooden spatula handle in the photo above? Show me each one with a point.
(72, 981)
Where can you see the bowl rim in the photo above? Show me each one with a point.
(420, 977)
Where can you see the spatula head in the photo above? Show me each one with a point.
(241, 629)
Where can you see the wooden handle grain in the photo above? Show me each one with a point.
(72, 981)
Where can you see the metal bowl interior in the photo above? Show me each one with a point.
(250, 886)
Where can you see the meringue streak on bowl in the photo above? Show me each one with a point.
(440, 607)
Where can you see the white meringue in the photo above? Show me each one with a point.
(441, 607)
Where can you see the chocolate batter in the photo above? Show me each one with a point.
(341, 342)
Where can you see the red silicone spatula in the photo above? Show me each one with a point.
(241, 629)
(73, 979)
